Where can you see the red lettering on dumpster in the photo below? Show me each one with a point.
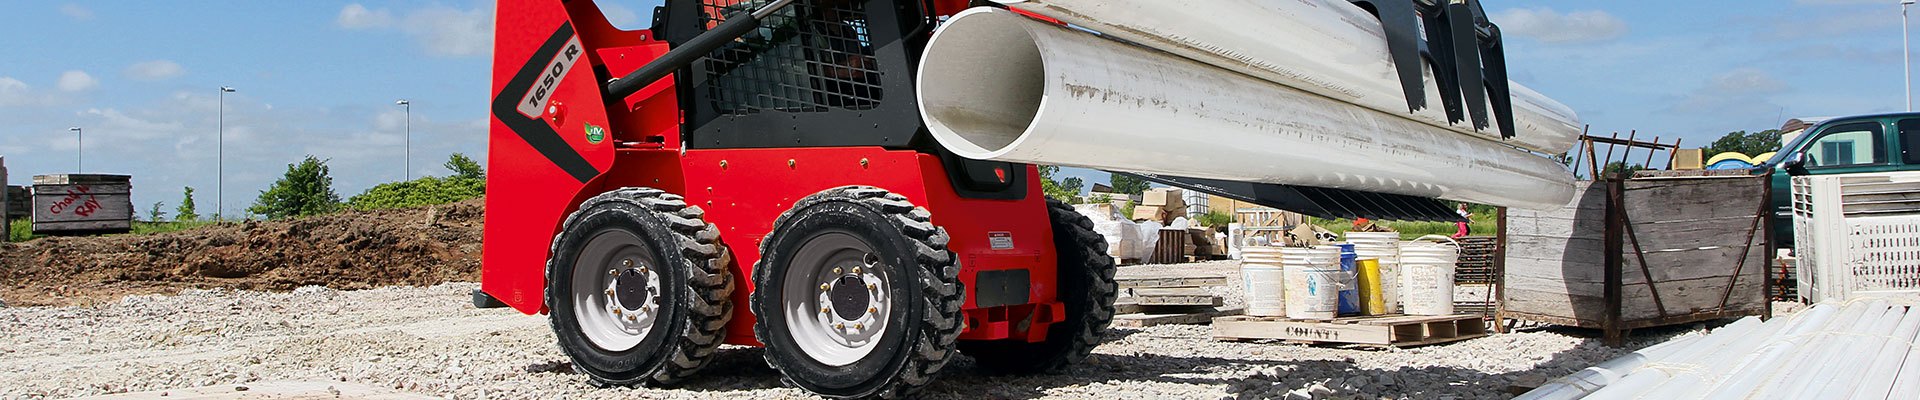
(78, 194)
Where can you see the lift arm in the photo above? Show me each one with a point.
(736, 26)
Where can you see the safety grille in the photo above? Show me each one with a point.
(812, 56)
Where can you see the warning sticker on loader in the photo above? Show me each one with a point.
(1000, 240)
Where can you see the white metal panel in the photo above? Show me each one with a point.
(1857, 236)
(997, 85)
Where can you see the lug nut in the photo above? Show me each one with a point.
(613, 272)
(859, 327)
(873, 287)
(840, 326)
(824, 287)
(626, 263)
(836, 270)
(643, 270)
(824, 310)
(856, 270)
(631, 318)
(873, 310)
(609, 292)
(616, 311)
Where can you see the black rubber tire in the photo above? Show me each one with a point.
(1086, 286)
(696, 309)
(917, 343)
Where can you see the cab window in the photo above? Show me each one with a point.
(1847, 145)
(1910, 141)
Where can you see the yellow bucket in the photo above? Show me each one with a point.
(1371, 300)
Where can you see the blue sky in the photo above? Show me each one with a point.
(320, 78)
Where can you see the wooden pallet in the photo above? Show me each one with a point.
(1384, 331)
(1162, 296)
(1168, 281)
(1133, 315)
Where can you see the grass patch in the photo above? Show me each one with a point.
(149, 228)
(22, 230)
(1481, 225)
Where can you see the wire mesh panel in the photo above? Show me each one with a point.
(807, 57)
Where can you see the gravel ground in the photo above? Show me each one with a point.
(431, 341)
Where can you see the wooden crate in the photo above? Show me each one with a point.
(1386, 331)
(81, 204)
(19, 203)
(1172, 248)
(6, 204)
(1644, 252)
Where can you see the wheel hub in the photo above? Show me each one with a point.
(616, 291)
(836, 298)
(849, 295)
(631, 289)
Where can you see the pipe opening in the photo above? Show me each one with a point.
(982, 82)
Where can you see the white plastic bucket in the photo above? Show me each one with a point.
(1427, 268)
(1312, 282)
(1264, 277)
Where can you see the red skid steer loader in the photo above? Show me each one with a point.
(756, 173)
(759, 173)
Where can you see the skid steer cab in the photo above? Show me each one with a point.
(757, 173)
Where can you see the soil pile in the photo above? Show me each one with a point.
(348, 250)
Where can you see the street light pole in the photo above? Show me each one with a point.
(408, 105)
(81, 152)
(1906, 51)
(220, 174)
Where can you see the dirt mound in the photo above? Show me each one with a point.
(349, 250)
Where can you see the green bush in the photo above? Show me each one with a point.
(418, 192)
(307, 189)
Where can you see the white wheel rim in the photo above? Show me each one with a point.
(836, 332)
(616, 290)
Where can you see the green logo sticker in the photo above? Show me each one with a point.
(595, 134)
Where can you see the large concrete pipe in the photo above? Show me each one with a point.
(1328, 47)
(997, 85)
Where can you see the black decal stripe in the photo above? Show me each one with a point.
(536, 132)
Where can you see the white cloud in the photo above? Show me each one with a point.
(74, 81)
(356, 16)
(1747, 81)
(1739, 92)
(13, 92)
(76, 12)
(1549, 26)
(154, 70)
(620, 17)
(440, 30)
(453, 32)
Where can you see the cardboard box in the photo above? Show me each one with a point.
(1688, 159)
(1148, 213)
(1168, 198)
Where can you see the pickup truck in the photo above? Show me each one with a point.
(1833, 146)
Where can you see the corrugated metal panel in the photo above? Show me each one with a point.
(1853, 350)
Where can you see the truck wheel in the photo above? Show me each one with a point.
(856, 295)
(635, 289)
(1087, 288)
